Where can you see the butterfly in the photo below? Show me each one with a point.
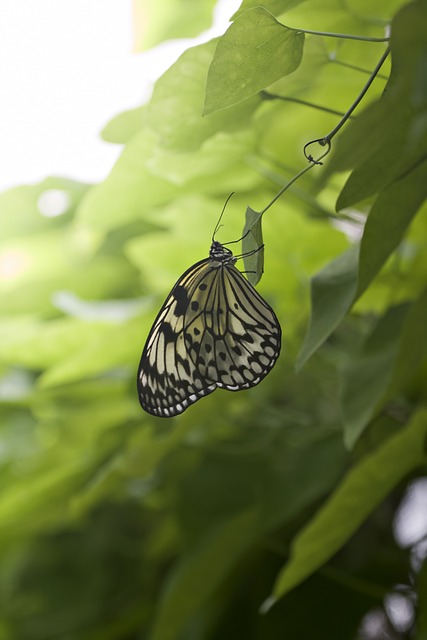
(214, 330)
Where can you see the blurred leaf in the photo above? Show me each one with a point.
(93, 358)
(412, 346)
(128, 191)
(332, 293)
(36, 502)
(124, 126)
(366, 484)
(273, 493)
(367, 376)
(338, 17)
(140, 190)
(393, 210)
(276, 7)
(178, 97)
(26, 210)
(31, 343)
(255, 51)
(217, 154)
(189, 587)
(168, 19)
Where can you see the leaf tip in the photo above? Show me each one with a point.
(267, 605)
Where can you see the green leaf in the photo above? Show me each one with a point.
(332, 294)
(335, 289)
(31, 209)
(162, 20)
(412, 346)
(252, 243)
(373, 174)
(369, 482)
(189, 587)
(92, 358)
(255, 51)
(221, 152)
(122, 128)
(31, 343)
(278, 491)
(175, 110)
(129, 184)
(388, 221)
(34, 267)
(368, 374)
(37, 503)
(386, 128)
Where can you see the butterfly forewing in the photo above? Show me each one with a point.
(214, 330)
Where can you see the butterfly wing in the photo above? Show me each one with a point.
(242, 336)
(214, 330)
(168, 380)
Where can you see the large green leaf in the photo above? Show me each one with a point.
(332, 294)
(360, 492)
(366, 377)
(387, 361)
(412, 346)
(254, 52)
(388, 221)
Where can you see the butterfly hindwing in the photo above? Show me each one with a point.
(214, 330)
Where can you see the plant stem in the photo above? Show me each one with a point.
(273, 96)
(344, 36)
(355, 68)
(359, 98)
(285, 188)
(326, 140)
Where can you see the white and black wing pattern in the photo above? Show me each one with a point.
(214, 330)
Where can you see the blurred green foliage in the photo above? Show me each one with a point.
(118, 525)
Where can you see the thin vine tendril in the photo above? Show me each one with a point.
(325, 141)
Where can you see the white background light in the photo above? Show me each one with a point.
(66, 68)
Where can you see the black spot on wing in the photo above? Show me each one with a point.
(167, 331)
(181, 297)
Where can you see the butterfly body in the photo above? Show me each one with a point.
(213, 331)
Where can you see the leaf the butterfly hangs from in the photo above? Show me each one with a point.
(214, 330)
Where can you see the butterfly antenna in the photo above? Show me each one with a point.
(218, 224)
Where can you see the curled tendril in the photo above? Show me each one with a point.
(324, 142)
